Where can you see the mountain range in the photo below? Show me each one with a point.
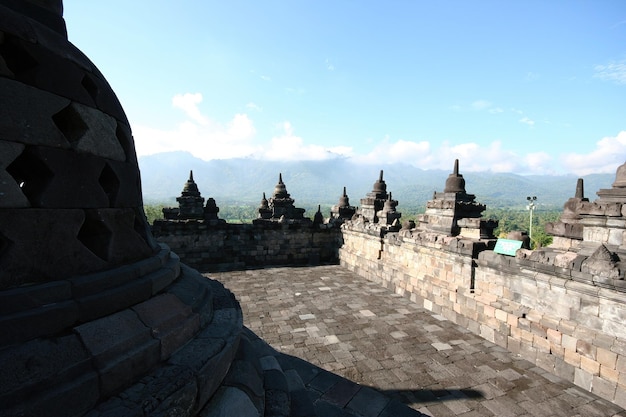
(243, 181)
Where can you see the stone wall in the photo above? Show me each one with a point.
(217, 247)
(559, 318)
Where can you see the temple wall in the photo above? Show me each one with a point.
(564, 324)
(218, 247)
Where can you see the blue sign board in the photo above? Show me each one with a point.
(507, 246)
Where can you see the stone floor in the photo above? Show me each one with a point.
(343, 323)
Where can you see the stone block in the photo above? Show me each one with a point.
(554, 336)
(230, 401)
(546, 361)
(542, 344)
(585, 348)
(609, 374)
(99, 137)
(583, 379)
(572, 358)
(620, 394)
(513, 345)
(564, 369)
(606, 357)
(31, 259)
(166, 391)
(115, 299)
(528, 352)
(210, 359)
(589, 365)
(161, 278)
(603, 388)
(171, 321)
(41, 321)
(614, 328)
(89, 284)
(246, 377)
(72, 397)
(45, 363)
(39, 128)
(28, 297)
(113, 335)
(619, 347)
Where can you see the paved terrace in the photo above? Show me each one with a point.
(359, 330)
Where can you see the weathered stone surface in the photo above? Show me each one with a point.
(229, 402)
(171, 321)
(46, 320)
(36, 129)
(121, 346)
(46, 373)
(99, 138)
(29, 258)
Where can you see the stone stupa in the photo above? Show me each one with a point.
(95, 316)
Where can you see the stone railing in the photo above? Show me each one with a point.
(223, 246)
(559, 311)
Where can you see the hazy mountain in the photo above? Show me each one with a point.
(243, 181)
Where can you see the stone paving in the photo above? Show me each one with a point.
(357, 329)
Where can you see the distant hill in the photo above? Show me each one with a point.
(243, 181)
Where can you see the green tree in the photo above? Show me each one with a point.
(153, 212)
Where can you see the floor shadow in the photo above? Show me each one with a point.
(412, 396)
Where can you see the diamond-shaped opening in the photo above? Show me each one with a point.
(70, 123)
(31, 174)
(95, 236)
(124, 139)
(90, 86)
(110, 183)
(17, 58)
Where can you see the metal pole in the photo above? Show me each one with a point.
(531, 207)
(530, 227)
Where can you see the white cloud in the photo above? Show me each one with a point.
(266, 78)
(329, 66)
(472, 156)
(414, 153)
(613, 71)
(527, 121)
(188, 103)
(481, 105)
(289, 147)
(203, 137)
(496, 110)
(254, 106)
(610, 153)
(538, 162)
(210, 139)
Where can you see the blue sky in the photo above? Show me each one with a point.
(508, 86)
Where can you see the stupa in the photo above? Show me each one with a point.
(454, 212)
(280, 207)
(374, 201)
(342, 210)
(95, 316)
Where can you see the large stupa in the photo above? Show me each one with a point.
(95, 316)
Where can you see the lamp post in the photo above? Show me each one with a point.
(531, 207)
